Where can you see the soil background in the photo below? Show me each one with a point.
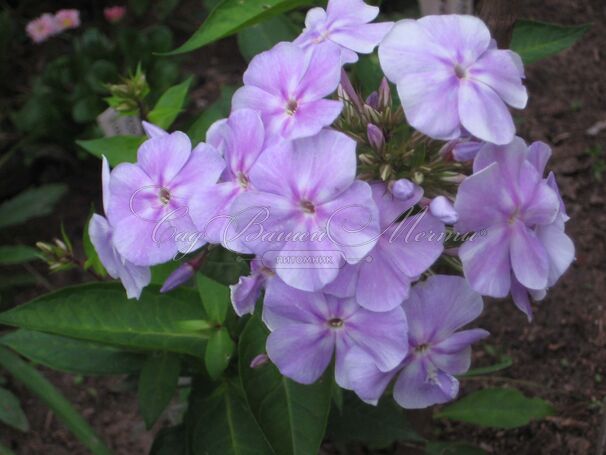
(560, 357)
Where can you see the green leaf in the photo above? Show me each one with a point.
(11, 412)
(222, 423)
(293, 416)
(157, 385)
(368, 73)
(17, 254)
(34, 381)
(210, 4)
(101, 312)
(170, 105)
(117, 149)
(72, 355)
(214, 296)
(499, 408)
(101, 73)
(505, 362)
(452, 448)
(86, 109)
(219, 351)
(224, 266)
(376, 426)
(158, 38)
(31, 203)
(538, 40)
(170, 441)
(214, 112)
(16, 281)
(231, 16)
(263, 36)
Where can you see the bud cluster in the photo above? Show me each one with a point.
(59, 255)
(127, 97)
(388, 148)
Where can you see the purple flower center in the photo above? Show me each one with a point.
(422, 348)
(268, 272)
(335, 323)
(460, 71)
(243, 180)
(323, 36)
(513, 217)
(164, 196)
(291, 107)
(308, 206)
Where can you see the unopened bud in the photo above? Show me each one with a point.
(403, 189)
(442, 209)
(452, 177)
(384, 94)
(385, 172)
(366, 158)
(181, 275)
(376, 138)
(373, 100)
(349, 91)
(259, 361)
(44, 247)
(371, 114)
(60, 244)
(466, 151)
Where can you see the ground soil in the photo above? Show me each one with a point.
(559, 357)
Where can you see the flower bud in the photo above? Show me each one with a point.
(373, 100)
(466, 151)
(385, 172)
(45, 247)
(259, 361)
(366, 158)
(403, 189)
(376, 138)
(349, 91)
(181, 275)
(442, 209)
(418, 178)
(60, 244)
(127, 96)
(453, 177)
(384, 94)
(371, 114)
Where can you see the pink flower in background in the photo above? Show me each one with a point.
(66, 19)
(114, 14)
(42, 28)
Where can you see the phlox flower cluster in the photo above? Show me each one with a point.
(47, 25)
(345, 229)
